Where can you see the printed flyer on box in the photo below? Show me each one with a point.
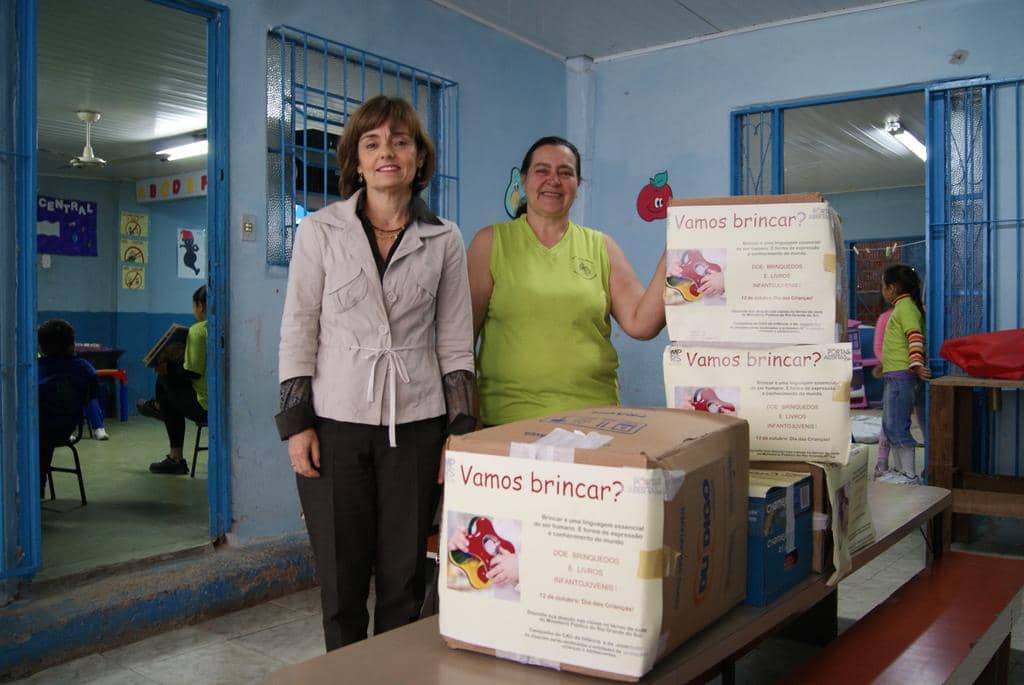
(751, 273)
(549, 562)
(796, 399)
(852, 526)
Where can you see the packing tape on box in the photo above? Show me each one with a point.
(662, 643)
(526, 450)
(830, 263)
(529, 660)
(657, 563)
(841, 393)
(790, 518)
(820, 521)
(673, 481)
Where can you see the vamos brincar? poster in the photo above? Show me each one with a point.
(796, 399)
(751, 273)
(552, 558)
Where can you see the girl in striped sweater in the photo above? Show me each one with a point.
(904, 366)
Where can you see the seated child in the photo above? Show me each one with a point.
(66, 383)
(181, 391)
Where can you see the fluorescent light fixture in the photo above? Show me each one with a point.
(905, 137)
(182, 151)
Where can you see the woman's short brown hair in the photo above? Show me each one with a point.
(371, 114)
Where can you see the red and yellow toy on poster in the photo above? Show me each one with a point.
(484, 545)
(686, 274)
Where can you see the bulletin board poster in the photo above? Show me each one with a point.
(134, 225)
(191, 254)
(65, 226)
(133, 277)
(135, 251)
(796, 399)
(578, 597)
(176, 187)
(751, 273)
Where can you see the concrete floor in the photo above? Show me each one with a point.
(131, 513)
(244, 646)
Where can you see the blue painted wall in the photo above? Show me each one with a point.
(670, 109)
(86, 291)
(164, 291)
(509, 95)
(85, 284)
(880, 214)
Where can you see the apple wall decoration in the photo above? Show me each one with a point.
(652, 202)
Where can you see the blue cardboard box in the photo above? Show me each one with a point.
(779, 545)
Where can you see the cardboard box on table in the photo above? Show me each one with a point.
(623, 551)
(762, 270)
(778, 534)
(855, 529)
(796, 398)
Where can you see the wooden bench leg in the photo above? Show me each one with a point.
(819, 625)
(998, 670)
(963, 444)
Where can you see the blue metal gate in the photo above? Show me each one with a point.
(975, 187)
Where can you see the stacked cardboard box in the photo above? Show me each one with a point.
(756, 309)
(596, 559)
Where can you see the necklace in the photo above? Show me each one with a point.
(387, 235)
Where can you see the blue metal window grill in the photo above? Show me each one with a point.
(757, 152)
(313, 84)
(976, 242)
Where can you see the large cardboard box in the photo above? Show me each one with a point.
(778, 534)
(796, 398)
(596, 560)
(763, 270)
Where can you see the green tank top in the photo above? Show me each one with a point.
(545, 345)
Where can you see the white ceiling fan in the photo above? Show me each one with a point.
(88, 158)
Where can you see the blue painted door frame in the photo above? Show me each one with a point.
(20, 533)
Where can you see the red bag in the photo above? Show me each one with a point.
(988, 355)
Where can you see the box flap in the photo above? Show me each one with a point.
(761, 482)
(641, 437)
(794, 198)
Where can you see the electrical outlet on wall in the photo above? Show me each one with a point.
(248, 227)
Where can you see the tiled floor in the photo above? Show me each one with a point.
(132, 514)
(244, 646)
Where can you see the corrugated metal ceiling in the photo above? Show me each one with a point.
(141, 65)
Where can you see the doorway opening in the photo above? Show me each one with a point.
(126, 236)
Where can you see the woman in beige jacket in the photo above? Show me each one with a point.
(376, 368)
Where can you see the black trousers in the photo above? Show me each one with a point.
(177, 400)
(371, 511)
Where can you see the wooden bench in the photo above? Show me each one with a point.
(949, 623)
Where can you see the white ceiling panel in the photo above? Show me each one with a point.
(732, 15)
(141, 65)
(605, 28)
(843, 146)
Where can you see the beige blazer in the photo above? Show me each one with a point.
(376, 351)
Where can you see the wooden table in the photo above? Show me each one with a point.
(417, 654)
(950, 436)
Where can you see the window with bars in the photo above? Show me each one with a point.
(313, 84)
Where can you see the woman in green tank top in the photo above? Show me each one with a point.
(544, 290)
